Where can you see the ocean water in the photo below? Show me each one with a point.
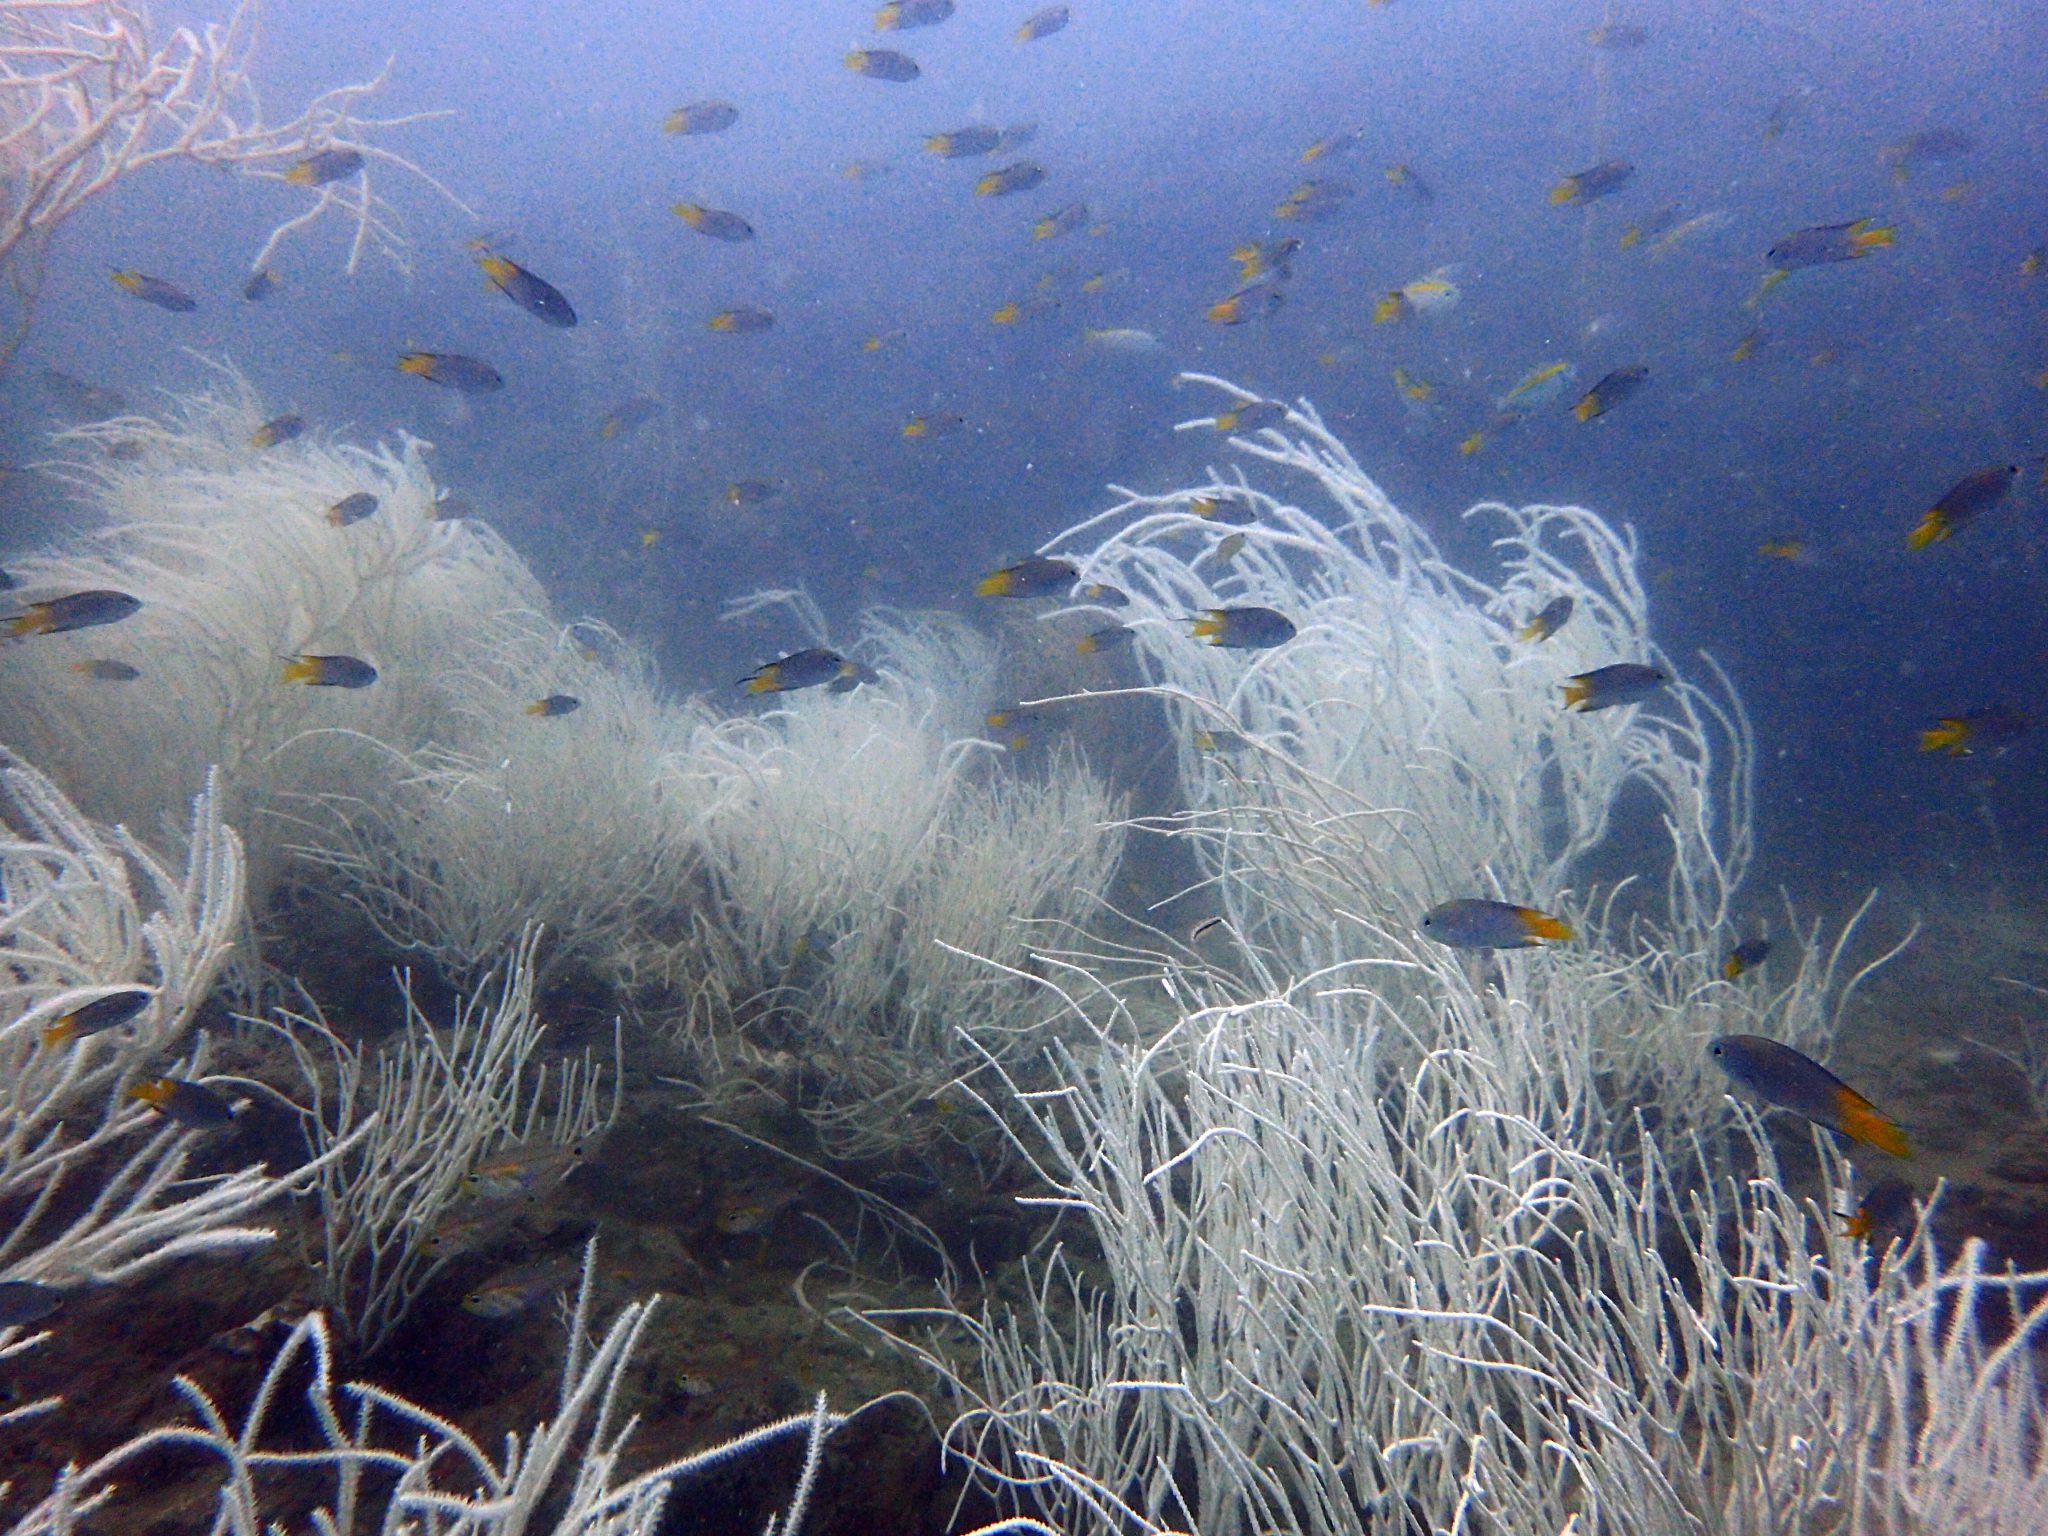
(1863, 391)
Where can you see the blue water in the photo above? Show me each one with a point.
(1874, 386)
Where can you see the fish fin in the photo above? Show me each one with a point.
(1085, 645)
(1949, 734)
(151, 1091)
(1212, 625)
(300, 175)
(1587, 408)
(1872, 238)
(34, 622)
(1533, 630)
(1577, 693)
(1861, 1121)
(1564, 191)
(1472, 444)
(301, 670)
(760, 682)
(1542, 925)
(993, 585)
(1932, 528)
(59, 1032)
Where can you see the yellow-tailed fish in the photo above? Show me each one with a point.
(1782, 1076)
(1975, 492)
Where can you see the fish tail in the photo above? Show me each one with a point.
(152, 1093)
(1577, 693)
(301, 670)
(1564, 191)
(1861, 1121)
(1932, 528)
(59, 1032)
(537, 707)
(763, 682)
(418, 363)
(993, 586)
(300, 175)
(1949, 734)
(1221, 313)
(1587, 408)
(1086, 645)
(1731, 968)
(1472, 444)
(34, 622)
(1227, 422)
(1533, 630)
(1213, 625)
(1872, 239)
(1541, 925)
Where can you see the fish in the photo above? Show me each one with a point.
(1678, 234)
(902, 15)
(352, 508)
(317, 170)
(74, 610)
(1053, 18)
(1538, 389)
(1221, 742)
(24, 1303)
(554, 706)
(715, 222)
(1254, 301)
(1022, 309)
(1410, 387)
(1115, 637)
(1404, 176)
(103, 669)
(1978, 491)
(1120, 338)
(1993, 728)
(515, 1292)
(1609, 391)
(1617, 34)
(329, 671)
(1227, 507)
(634, 411)
(881, 64)
(109, 1011)
(934, 424)
(155, 290)
(1596, 181)
(1101, 595)
(1790, 549)
(1063, 221)
(1779, 1075)
(1258, 258)
(2032, 263)
(279, 429)
(741, 320)
(699, 117)
(1604, 687)
(193, 1105)
(1821, 244)
(751, 493)
(536, 295)
(1475, 922)
(523, 1169)
(1331, 145)
(1007, 181)
(452, 370)
(964, 143)
(1315, 200)
(81, 400)
(1037, 576)
(1016, 136)
(1745, 348)
(1929, 144)
(1789, 109)
(1424, 296)
(1548, 620)
(1746, 956)
(807, 668)
(1228, 548)
(1251, 416)
(259, 285)
(1244, 629)
(1656, 224)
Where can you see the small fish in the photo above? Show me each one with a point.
(1976, 492)
(2032, 263)
(856, 674)
(1227, 507)
(1410, 387)
(881, 64)
(1063, 221)
(515, 1292)
(1244, 629)
(1315, 200)
(751, 493)
(1790, 549)
(1824, 243)
(523, 1169)
(1116, 637)
(1594, 182)
(715, 222)
(1993, 728)
(279, 429)
(701, 117)
(453, 370)
(1228, 548)
(1043, 23)
(1655, 225)
(1007, 181)
(934, 424)
(1254, 301)
(1539, 388)
(1101, 595)
(330, 671)
(1605, 687)
(799, 669)
(963, 143)
(554, 706)
(1929, 144)
(1331, 145)
(1120, 339)
(1678, 234)
(155, 290)
(317, 170)
(1403, 175)
(1474, 922)
(102, 1013)
(1609, 391)
(634, 411)
(190, 1104)
(1037, 576)
(1549, 619)
(1022, 309)
(1251, 416)
(104, 670)
(1224, 743)
(24, 1303)
(1782, 1076)
(1746, 956)
(1425, 296)
(80, 400)
(536, 295)
(259, 285)
(75, 610)
(352, 508)
(1617, 34)
(1744, 349)
(1260, 258)
(902, 15)
(741, 320)
(1016, 136)
(1789, 109)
